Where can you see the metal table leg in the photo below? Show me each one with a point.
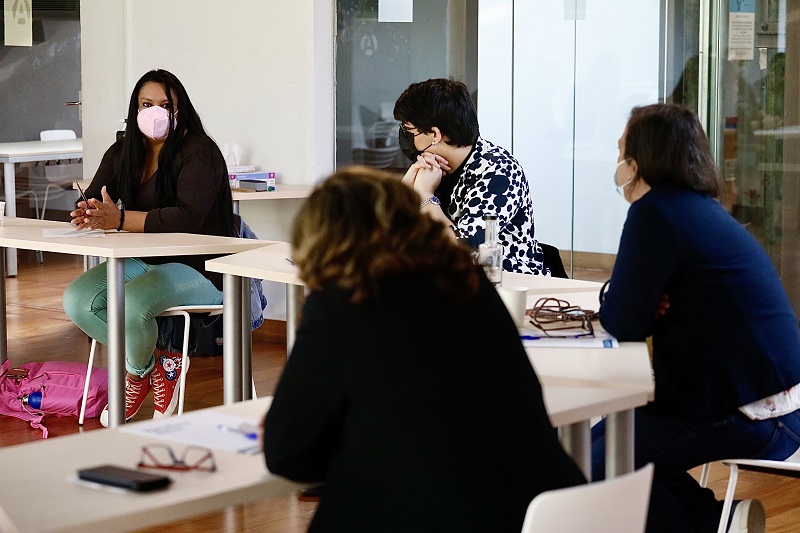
(115, 272)
(577, 441)
(232, 338)
(3, 317)
(11, 210)
(619, 443)
(247, 341)
(295, 297)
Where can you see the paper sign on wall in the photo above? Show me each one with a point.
(395, 10)
(18, 22)
(741, 29)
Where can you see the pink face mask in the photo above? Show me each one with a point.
(154, 122)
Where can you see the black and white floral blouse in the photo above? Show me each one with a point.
(492, 182)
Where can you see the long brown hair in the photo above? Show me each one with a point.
(362, 225)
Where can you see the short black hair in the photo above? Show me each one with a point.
(441, 102)
(669, 145)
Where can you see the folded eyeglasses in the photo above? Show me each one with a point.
(162, 456)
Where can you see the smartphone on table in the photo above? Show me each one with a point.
(126, 478)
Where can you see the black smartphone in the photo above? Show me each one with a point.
(127, 478)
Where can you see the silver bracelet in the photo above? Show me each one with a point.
(432, 200)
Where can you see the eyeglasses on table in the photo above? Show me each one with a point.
(162, 456)
(558, 318)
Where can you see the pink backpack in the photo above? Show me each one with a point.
(60, 384)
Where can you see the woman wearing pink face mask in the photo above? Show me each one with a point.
(165, 175)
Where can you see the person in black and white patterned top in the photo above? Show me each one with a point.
(461, 177)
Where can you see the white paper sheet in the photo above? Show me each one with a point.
(72, 233)
(532, 337)
(216, 431)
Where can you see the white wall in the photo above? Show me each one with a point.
(570, 89)
(259, 72)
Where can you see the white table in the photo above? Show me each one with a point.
(282, 191)
(572, 375)
(39, 493)
(116, 247)
(578, 384)
(25, 152)
(269, 263)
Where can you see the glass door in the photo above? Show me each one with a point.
(755, 116)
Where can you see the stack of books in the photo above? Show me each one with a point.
(247, 178)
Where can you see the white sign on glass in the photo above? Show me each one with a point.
(395, 10)
(18, 16)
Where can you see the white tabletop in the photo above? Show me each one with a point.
(547, 284)
(578, 383)
(283, 191)
(26, 233)
(267, 263)
(31, 150)
(39, 491)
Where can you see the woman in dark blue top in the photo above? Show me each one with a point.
(726, 343)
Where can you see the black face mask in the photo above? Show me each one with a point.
(406, 141)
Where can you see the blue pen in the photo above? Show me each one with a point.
(533, 338)
(252, 435)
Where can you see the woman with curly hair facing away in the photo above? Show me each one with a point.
(408, 392)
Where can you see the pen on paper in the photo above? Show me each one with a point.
(288, 260)
(252, 435)
(535, 338)
(250, 450)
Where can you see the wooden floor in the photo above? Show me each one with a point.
(39, 330)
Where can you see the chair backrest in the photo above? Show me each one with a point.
(552, 260)
(619, 504)
(56, 135)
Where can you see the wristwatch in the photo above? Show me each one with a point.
(432, 200)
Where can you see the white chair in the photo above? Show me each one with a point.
(56, 135)
(181, 310)
(619, 504)
(56, 178)
(789, 467)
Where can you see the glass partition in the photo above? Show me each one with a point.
(376, 60)
(757, 128)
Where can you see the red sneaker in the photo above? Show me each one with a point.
(135, 393)
(165, 380)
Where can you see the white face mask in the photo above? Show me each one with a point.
(621, 188)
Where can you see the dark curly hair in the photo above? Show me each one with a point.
(362, 225)
(441, 102)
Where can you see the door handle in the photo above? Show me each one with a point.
(78, 102)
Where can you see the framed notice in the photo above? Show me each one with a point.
(741, 30)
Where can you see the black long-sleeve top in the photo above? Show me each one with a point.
(203, 191)
(418, 412)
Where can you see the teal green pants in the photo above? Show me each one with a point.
(149, 290)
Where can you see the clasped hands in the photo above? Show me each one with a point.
(97, 215)
(425, 175)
